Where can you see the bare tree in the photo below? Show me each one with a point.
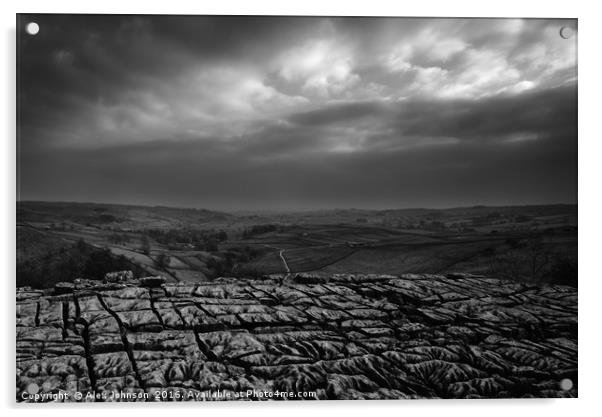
(527, 261)
(145, 245)
(162, 260)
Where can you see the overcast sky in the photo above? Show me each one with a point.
(237, 113)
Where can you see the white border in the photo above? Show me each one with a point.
(590, 199)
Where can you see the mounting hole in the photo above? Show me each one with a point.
(566, 32)
(32, 388)
(32, 28)
(566, 384)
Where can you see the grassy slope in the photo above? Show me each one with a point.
(33, 244)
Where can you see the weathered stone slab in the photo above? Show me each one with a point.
(343, 337)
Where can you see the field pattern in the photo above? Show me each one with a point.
(312, 258)
(400, 259)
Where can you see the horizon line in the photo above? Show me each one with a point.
(296, 210)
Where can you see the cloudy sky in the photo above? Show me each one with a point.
(237, 113)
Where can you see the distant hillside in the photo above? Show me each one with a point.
(123, 216)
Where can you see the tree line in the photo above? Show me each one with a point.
(79, 260)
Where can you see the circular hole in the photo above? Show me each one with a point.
(566, 384)
(32, 388)
(566, 32)
(32, 28)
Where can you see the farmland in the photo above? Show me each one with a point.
(532, 243)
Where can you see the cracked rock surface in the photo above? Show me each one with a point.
(341, 337)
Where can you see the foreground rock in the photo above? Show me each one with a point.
(340, 337)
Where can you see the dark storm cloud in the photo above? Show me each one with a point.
(443, 174)
(241, 112)
(538, 112)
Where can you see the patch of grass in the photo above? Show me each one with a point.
(309, 259)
